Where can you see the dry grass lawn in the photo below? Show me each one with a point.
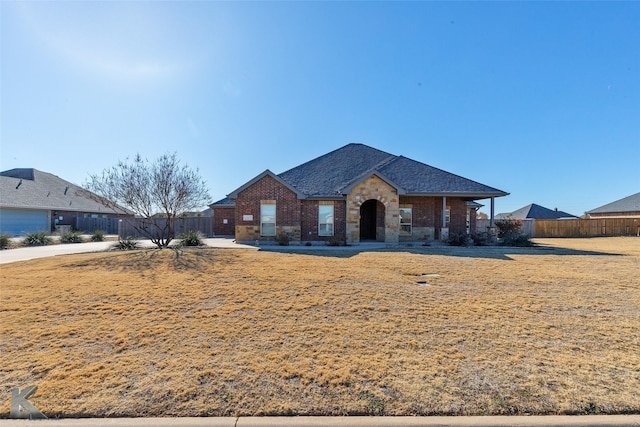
(549, 330)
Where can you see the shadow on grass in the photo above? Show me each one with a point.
(489, 252)
(147, 258)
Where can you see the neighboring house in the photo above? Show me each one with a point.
(628, 207)
(534, 211)
(32, 200)
(352, 194)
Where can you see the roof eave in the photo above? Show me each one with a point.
(469, 195)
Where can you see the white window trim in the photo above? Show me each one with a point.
(274, 220)
(321, 234)
(410, 223)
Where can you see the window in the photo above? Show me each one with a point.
(267, 219)
(325, 220)
(447, 215)
(406, 217)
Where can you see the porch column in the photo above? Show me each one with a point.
(444, 231)
(493, 235)
(492, 223)
(444, 211)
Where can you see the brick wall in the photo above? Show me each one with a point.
(427, 215)
(247, 216)
(219, 216)
(309, 220)
(458, 222)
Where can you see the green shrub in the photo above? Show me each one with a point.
(508, 226)
(5, 241)
(459, 239)
(71, 237)
(191, 238)
(283, 239)
(98, 236)
(38, 238)
(480, 239)
(127, 244)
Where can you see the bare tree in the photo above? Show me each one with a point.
(155, 192)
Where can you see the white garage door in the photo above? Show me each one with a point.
(17, 222)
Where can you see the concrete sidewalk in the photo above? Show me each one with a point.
(480, 421)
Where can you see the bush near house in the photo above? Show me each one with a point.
(191, 238)
(510, 233)
(71, 237)
(38, 238)
(98, 236)
(5, 241)
(127, 244)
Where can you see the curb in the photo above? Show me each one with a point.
(479, 421)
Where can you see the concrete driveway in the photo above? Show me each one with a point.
(24, 254)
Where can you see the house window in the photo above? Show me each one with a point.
(447, 215)
(406, 218)
(267, 219)
(325, 220)
(468, 221)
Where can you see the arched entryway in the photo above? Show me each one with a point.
(372, 220)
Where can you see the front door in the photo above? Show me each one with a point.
(368, 220)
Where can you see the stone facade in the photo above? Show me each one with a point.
(373, 188)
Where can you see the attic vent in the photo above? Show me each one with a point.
(19, 184)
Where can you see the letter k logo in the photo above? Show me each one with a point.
(21, 407)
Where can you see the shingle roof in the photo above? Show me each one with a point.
(534, 211)
(334, 173)
(226, 202)
(627, 204)
(32, 189)
(329, 174)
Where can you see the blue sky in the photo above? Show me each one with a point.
(539, 99)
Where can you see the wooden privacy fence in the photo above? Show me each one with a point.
(203, 224)
(90, 225)
(594, 227)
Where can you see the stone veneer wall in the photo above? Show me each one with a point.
(376, 189)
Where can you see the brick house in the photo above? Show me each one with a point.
(355, 193)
